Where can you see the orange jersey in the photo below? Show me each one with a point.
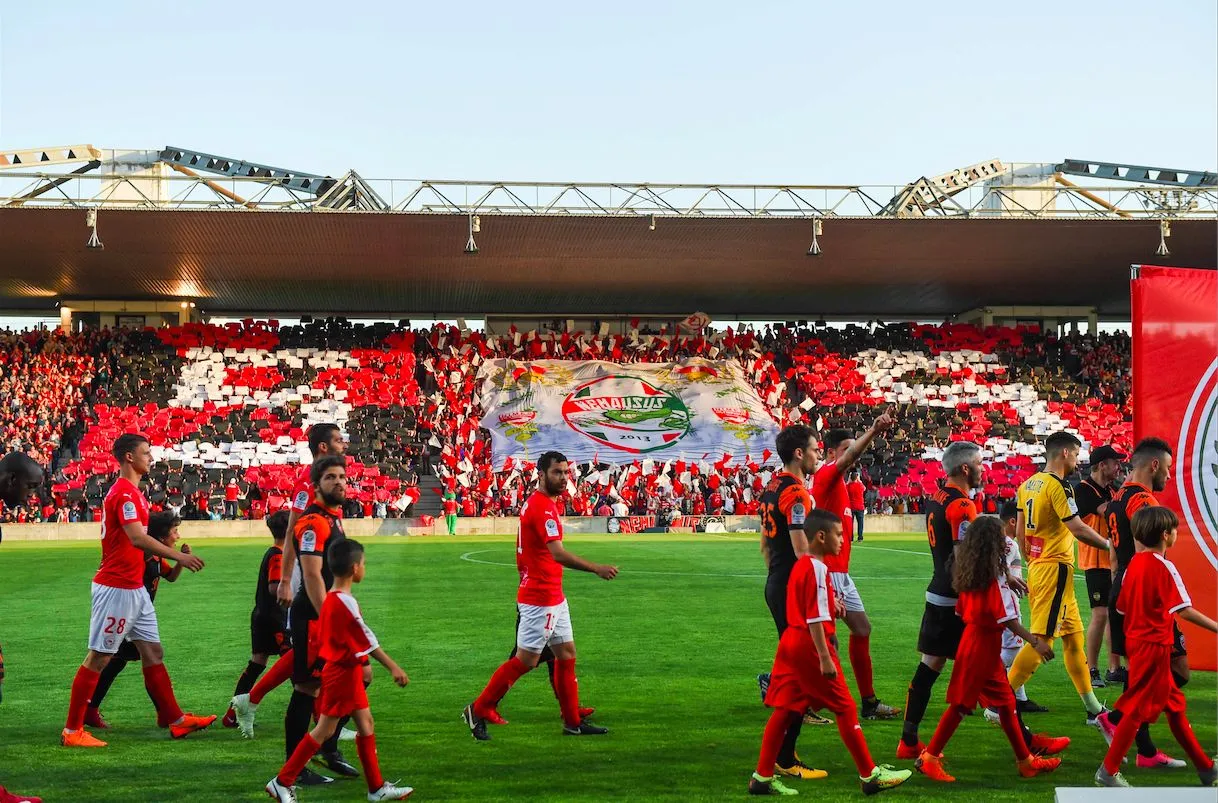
(1090, 497)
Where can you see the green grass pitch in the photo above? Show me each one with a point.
(668, 653)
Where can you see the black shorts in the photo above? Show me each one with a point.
(1099, 587)
(267, 636)
(776, 598)
(941, 632)
(127, 652)
(306, 664)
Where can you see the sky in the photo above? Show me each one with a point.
(697, 92)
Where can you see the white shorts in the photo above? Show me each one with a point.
(121, 614)
(543, 625)
(847, 592)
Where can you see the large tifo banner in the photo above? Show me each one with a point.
(691, 410)
(1175, 385)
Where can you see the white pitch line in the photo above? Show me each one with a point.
(467, 557)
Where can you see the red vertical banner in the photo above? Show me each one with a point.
(1175, 392)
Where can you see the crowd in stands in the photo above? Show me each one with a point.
(226, 409)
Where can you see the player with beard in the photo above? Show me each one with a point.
(1150, 469)
(19, 474)
(324, 440)
(319, 526)
(784, 507)
(948, 515)
(545, 619)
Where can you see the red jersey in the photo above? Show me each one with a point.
(540, 574)
(122, 564)
(810, 598)
(302, 493)
(231, 493)
(856, 490)
(829, 491)
(345, 639)
(450, 507)
(978, 674)
(1151, 593)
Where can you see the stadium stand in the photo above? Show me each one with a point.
(234, 402)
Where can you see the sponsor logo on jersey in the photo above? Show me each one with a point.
(308, 541)
(1197, 477)
(626, 413)
(302, 500)
(129, 513)
(552, 528)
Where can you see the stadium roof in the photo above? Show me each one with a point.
(415, 263)
(236, 236)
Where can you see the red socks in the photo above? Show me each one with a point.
(366, 745)
(1183, 731)
(568, 691)
(83, 686)
(160, 689)
(771, 740)
(948, 723)
(1122, 740)
(278, 674)
(852, 737)
(1010, 726)
(860, 662)
(304, 751)
(505, 676)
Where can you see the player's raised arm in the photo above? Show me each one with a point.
(863, 442)
(573, 561)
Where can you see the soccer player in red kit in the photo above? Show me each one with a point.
(807, 672)
(1151, 595)
(346, 643)
(545, 619)
(842, 452)
(987, 607)
(122, 610)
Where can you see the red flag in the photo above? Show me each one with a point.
(765, 456)
(1175, 384)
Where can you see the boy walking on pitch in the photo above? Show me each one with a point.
(346, 644)
(807, 672)
(1151, 594)
(268, 631)
(988, 607)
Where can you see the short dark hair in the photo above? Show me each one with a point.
(550, 458)
(1149, 449)
(1009, 511)
(23, 466)
(836, 437)
(323, 464)
(159, 524)
(320, 434)
(820, 520)
(796, 436)
(1059, 442)
(277, 523)
(344, 554)
(1150, 523)
(127, 443)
